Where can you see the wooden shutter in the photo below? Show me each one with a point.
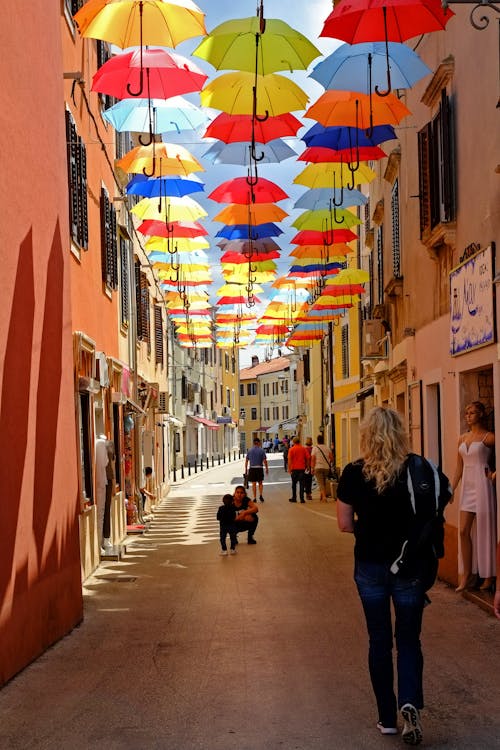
(396, 243)
(124, 281)
(109, 254)
(71, 141)
(424, 178)
(158, 336)
(142, 303)
(448, 158)
(345, 351)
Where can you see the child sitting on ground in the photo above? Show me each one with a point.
(226, 516)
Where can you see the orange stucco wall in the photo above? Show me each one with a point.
(40, 587)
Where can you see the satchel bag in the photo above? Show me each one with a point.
(331, 472)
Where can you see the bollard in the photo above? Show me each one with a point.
(213, 462)
(195, 466)
(234, 455)
(224, 458)
(189, 469)
(218, 456)
(175, 474)
(182, 471)
(208, 465)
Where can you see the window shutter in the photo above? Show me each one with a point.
(396, 246)
(448, 158)
(345, 351)
(142, 304)
(380, 265)
(424, 178)
(307, 369)
(158, 336)
(124, 282)
(83, 232)
(71, 141)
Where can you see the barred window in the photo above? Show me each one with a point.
(436, 164)
(109, 252)
(103, 55)
(142, 304)
(158, 336)
(380, 265)
(124, 281)
(72, 6)
(396, 244)
(345, 351)
(77, 184)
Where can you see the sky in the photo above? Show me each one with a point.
(308, 18)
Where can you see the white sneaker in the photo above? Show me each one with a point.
(412, 731)
(386, 730)
(223, 553)
(232, 551)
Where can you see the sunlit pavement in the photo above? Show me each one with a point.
(182, 648)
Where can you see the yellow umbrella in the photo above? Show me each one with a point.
(351, 276)
(321, 218)
(177, 244)
(287, 282)
(233, 289)
(160, 160)
(233, 93)
(324, 174)
(129, 23)
(172, 209)
(260, 277)
(256, 213)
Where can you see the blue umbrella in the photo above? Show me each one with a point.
(341, 137)
(313, 267)
(318, 198)
(156, 187)
(363, 67)
(239, 152)
(244, 231)
(155, 115)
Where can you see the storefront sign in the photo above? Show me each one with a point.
(471, 303)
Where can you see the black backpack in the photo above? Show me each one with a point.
(429, 491)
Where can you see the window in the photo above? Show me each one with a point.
(242, 389)
(345, 351)
(380, 265)
(266, 389)
(142, 304)
(284, 411)
(275, 387)
(226, 361)
(436, 165)
(109, 253)
(267, 415)
(253, 413)
(276, 412)
(307, 368)
(396, 243)
(124, 281)
(251, 389)
(72, 6)
(77, 184)
(158, 336)
(228, 397)
(284, 386)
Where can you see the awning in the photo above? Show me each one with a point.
(207, 422)
(273, 428)
(132, 406)
(173, 420)
(365, 392)
(288, 424)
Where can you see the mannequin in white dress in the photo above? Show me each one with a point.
(477, 500)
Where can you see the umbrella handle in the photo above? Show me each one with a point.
(152, 122)
(388, 67)
(327, 232)
(153, 167)
(335, 216)
(141, 72)
(253, 153)
(332, 200)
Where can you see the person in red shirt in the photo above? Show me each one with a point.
(298, 462)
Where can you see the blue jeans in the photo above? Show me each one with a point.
(298, 476)
(376, 587)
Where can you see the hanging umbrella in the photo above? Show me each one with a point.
(167, 74)
(160, 159)
(319, 154)
(248, 231)
(340, 137)
(234, 93)
(323, 175)
(238, 190)
(240, 299)
(176, 229)
(357, 110)
(156, 187)
(258, 213)
(129, 23)
(241, 153)
(236, 128)
(310, 237)
(154, 115)
(172, 209)
(353, 276)
(321, 218)
(232, 257)
(264, 245)
(339, 250)
(356, 21)
(161, 249)
(321, 197)
(324, 269)
(363, 67)
(241, 43)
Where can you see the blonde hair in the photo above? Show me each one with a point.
(384, 446)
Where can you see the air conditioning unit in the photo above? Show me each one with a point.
(373, 335)
(198, 409)
(163, 402)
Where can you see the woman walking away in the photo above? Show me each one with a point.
(374, 490)
(321, 461)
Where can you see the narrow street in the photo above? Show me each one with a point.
(181, 648)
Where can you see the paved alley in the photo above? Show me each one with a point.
(182, 649)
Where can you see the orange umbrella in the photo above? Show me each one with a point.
(160, 159)
(357, 110)
(257, 213)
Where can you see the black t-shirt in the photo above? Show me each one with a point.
(382, 522)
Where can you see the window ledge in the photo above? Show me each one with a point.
(442, 234)
(394, 288)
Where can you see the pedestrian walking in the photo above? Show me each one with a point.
(255, 462)
(298, 462)
(308, 476)
(375, 490)
(321, 462)
(226, 516)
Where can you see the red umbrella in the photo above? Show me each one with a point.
(241, 300)
(357, 21)
(312, 237)
(167, 74)
(317, 154)
(232, 257)
(238, 128)
(157, 228)
(239, 190)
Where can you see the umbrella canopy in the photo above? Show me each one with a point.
(318, 154)
(258, 213)
(357, 21)
(323, 175)
(311, 237)
(320, 198)
(232, 46)
(240, 153)
(353, 276)
(167, 74)
(154, 115)
(175, 209)
(340, 137)
(234, 93)
(232, 257)
(339, 250)
(156, 187)
(244, 246)
(357, 110)
(129, 23)
(249, 231)
(161, 249)
(238, 190)
(362, 67)
(160, 159)
(239, 299)
(236, 128)
(323, 217)
(175, 229)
